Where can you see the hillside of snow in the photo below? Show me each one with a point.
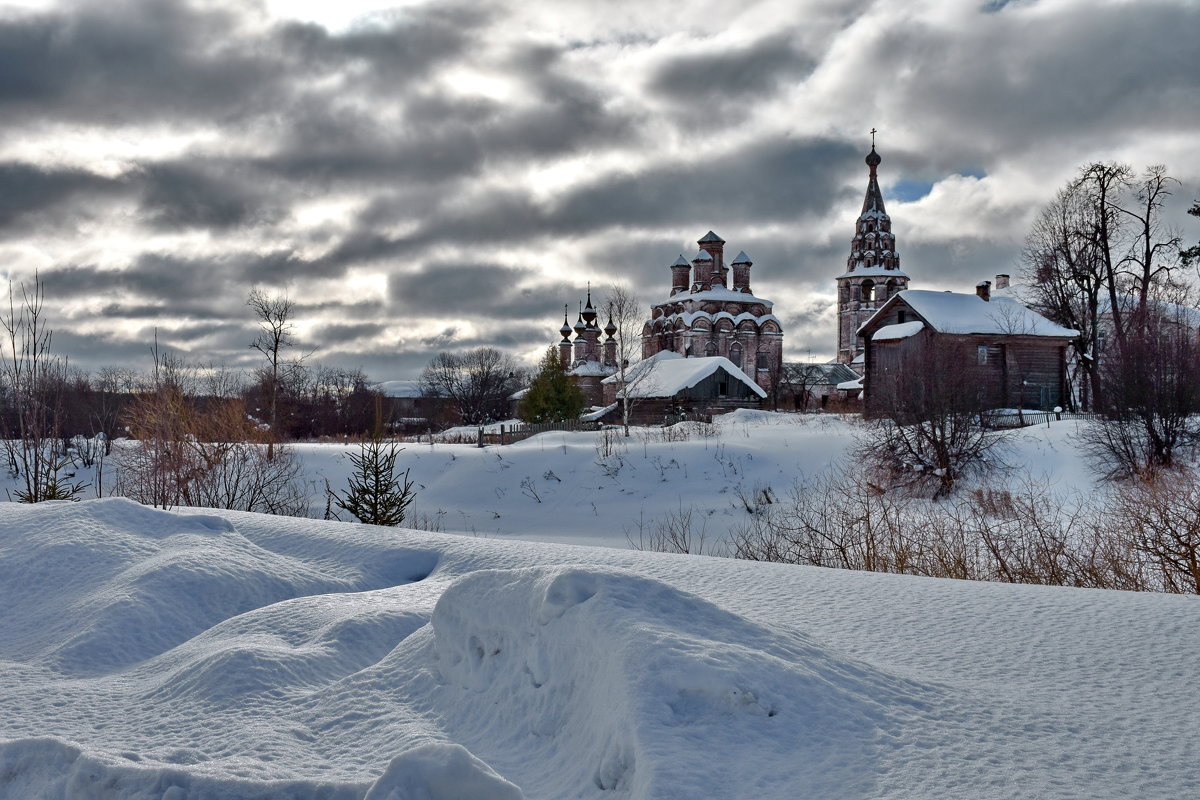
(149, 654)
(604, 489)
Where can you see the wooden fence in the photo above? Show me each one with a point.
(508, 434)
(1029, 418)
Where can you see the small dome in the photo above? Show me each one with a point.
(742, 258)
(580, 325)
(610, 328)
(703, 255)
(681, 262)
(873, 159)
(711, 237)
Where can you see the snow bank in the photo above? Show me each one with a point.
(599, 678)
(146, 654)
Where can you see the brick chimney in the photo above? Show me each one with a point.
(984, 290)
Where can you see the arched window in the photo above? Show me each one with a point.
(868, 291)
(891, 288)
(735, 354)
(710, 349)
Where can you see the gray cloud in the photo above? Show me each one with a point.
(423, 131)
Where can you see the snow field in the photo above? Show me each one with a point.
(147, 654)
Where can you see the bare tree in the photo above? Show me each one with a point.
(930, 433)
(276, 334)
(1064, 270)
(480, 382)
(33, 380)
(628, 314)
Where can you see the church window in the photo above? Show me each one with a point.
(764, 359)
(868, 289)
(735, 354)
(710, 349)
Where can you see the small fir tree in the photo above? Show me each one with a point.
(378, 495)
(552, 396)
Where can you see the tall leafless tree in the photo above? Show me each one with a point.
(629, 315)
(276, 335)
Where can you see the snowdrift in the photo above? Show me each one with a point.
(146, 654)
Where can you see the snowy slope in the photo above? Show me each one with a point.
(152, 654)
(564, 487)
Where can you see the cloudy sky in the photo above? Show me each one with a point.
(425, 176)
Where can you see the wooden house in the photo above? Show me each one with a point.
(969, 349)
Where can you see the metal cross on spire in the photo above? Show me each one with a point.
(873, 132)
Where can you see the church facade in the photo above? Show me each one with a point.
(711, 311)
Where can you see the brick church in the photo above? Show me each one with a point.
(712, 313)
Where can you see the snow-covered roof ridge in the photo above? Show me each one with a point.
(668, 373)
(889, 333)
(741, 258)
(591, 369)
(954, 312)
(873, 271)
(721, 293)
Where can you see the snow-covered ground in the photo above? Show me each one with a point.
(146, 654)
(152, 654)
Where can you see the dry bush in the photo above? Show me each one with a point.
(1144, 538)
(216, 458)
(674, 533)
(1158, 518)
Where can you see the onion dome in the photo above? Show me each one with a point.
(873, 159)
(565, 330)
(611, 327)
(589, 313)
(580, 325)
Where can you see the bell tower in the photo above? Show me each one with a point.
(873, 269)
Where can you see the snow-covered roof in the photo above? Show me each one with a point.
(667, 373)
(741, 258)
(689, 317)
(953, 312)
(408, 388)
(591, 369)
(874, 271)
(712, 237)
(703, 255)
(850, 386)
(681, 262)
(721, 294)
(891, 333)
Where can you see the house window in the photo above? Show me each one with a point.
(981, 354)
(901, 316)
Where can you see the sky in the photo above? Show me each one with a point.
(430, 176)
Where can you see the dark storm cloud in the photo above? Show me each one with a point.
(175, 280)
(139, 60)
(179, 196)
(739, 189)
(471, 292)
(708, 77)
(1016, 81)
(333, 335)
(27, 191)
